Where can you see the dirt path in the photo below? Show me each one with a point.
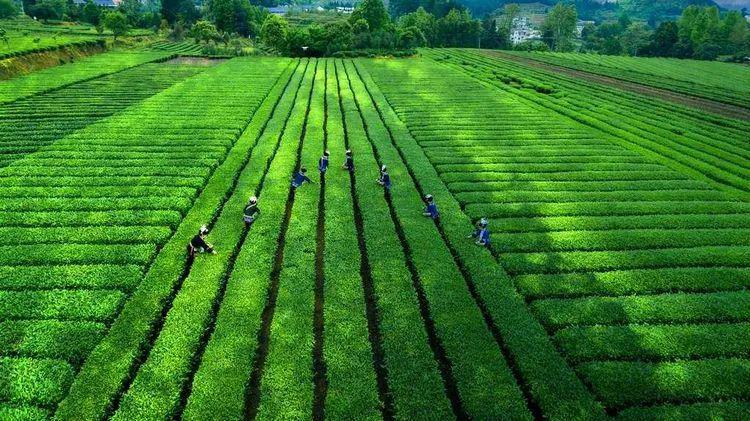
(726, 110)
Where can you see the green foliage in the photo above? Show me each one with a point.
(423, 23)
(91, 13)
(100, 378)
(274, 32)
(715, 307)
(117, 23)
(631, 383)
(8, 9)
(48, 9)
(542, 368)
(559, 27)
(204, 31)
(458, 29)
(374, 13)
(246, 285)
(31, 381)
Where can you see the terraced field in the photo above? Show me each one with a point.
(183, 47)
(712, 80)
(615, 285)
(22, 42)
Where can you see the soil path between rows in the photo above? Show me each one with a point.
(720, 108)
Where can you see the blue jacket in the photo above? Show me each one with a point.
(300, 178)
(385, 178)
(484, 235)
(432, 210)
(323, 164)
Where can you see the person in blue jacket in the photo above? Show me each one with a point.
(484, 237)
(431, 209)
(300, 177)
(385, 178)
(482, 233)
(323, 163)
(348, 161)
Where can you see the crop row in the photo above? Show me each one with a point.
(62, 304)
(711, 80)
(692, 117)
(655, 342)
(184, 47)
(712, 307)
(623, 282)
(63, 75)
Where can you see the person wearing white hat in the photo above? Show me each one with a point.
(431, 209)
(348, 161)
(385, 178)
(251, 211)
(198, 244)
(482, 233)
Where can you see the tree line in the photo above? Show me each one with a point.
(700, 33)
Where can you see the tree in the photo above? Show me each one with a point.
(510, 13)
(338, 37)
(7, 9)
(49, 9)
(734, 31)
(132, 11)
(117, 23)
(402, 7)
(296, 41)
(458, 29)
(635, 38)
(490, 35)
(560, 26)
(374, 13)
(174, 10)
(274, 31)
(664, 39)
(410, 37)
(204, 31)
(422, 20)
(222, 12)
(91, 13)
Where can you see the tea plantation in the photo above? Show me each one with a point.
(615, 284)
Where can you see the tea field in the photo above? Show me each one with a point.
(615, 285)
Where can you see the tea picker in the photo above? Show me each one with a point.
(482, 233)
(300, 177)
(431, 209)
(323, 162)
(348, 161)
(198, 244)
(251, 212)
(385, 178)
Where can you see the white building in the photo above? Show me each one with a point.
(522, 30)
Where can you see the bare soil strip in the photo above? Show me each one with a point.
(715, 107)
